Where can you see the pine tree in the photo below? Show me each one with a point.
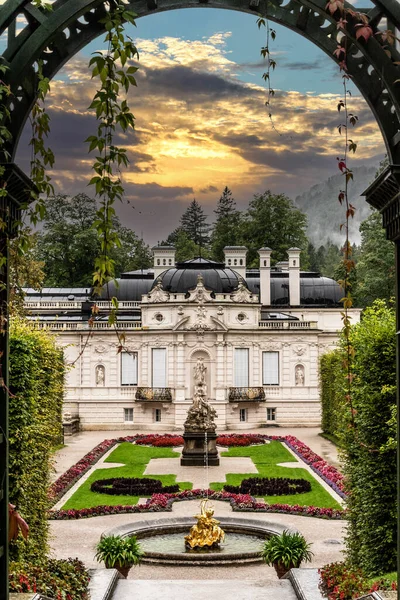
(193, 223)
(226, 227)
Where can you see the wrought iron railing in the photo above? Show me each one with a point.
(151, 394)
(246, 394)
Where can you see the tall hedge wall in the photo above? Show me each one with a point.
(331, 392)
(369, 457)
(36, 386)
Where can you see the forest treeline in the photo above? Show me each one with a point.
(62, 254)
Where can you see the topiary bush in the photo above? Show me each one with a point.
(132, 486)
(274, 486)
(36, 386)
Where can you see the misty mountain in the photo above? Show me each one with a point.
(321, 205)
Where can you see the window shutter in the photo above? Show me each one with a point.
(129, 368)
(270, 368)
(241, 367)
(159, 375)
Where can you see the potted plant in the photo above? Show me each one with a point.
(119, 553)
(286, 551)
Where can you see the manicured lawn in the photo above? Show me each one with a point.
(135, 459)
(266, 458)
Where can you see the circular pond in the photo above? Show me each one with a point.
(163, 541)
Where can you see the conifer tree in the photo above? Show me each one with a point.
(226, 227)
(194, 223)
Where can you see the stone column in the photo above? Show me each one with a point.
(294, 276)
(265, 276)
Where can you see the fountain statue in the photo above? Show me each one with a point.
(206, 533)
(200, 437)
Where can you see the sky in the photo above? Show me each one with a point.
(201, 119)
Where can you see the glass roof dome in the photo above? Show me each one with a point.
(183, 277)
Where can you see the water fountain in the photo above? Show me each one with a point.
(200, 436)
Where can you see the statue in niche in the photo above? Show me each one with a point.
(200, 371)
(299, 375)
(100, 375)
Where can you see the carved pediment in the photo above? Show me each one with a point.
(200, 293)
(158, 294)
(242, 294)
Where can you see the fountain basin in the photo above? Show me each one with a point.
(163, 541)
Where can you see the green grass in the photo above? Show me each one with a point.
(265, 458)
(135, 459)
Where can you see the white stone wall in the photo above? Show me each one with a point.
(211, 331)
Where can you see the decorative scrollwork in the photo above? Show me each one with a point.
(150, 394)
(246, 394)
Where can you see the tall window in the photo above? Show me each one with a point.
(243, 415)
(129, 368)
(241, 367)
(271, 414)
(159, 367)
(128, 415)
(157, 415)
(270, 368)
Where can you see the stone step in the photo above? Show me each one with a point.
(199, 590)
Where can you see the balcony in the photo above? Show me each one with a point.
(293, 325)
(246, 394)
(150, 394)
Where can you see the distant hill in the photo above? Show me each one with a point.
(320, 204)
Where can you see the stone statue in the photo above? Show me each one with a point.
(200, 371)
(299, 375)
(158, 294)
(206, 532)
(201, 414)
(100, 375)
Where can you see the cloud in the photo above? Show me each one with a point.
(200, 128)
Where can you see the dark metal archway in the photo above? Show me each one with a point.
(57, 35)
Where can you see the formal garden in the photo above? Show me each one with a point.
(357, 380)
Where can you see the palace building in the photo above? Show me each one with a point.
(258, 332)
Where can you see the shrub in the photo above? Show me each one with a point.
(59, 579)
(332, 393)
(36, 385)
(115, 550)
(274, 486)
(339, 581)
(132, 486)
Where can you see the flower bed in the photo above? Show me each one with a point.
(270, 486)
(341, 582)
(159, 440)
(132, 486)
(328, 473)
(61, 579)
(163, 502)
(241, 439)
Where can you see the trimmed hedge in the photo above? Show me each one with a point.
(270, 486)
(132, 486)
(332, 392)
(36, 386)
(366, 438)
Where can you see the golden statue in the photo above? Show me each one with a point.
(206, 532)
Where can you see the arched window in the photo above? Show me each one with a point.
(158, 261)
(241, 261)
(164, 262)
(235, 262)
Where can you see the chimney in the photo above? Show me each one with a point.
(294, 276)
(265, 276)
(164, 258)
(235, 259)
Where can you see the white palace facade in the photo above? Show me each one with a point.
(260, 333)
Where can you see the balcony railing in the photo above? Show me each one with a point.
(288, 324)
(246, 394)
(151, 394)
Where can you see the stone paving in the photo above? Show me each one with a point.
(199, 476)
